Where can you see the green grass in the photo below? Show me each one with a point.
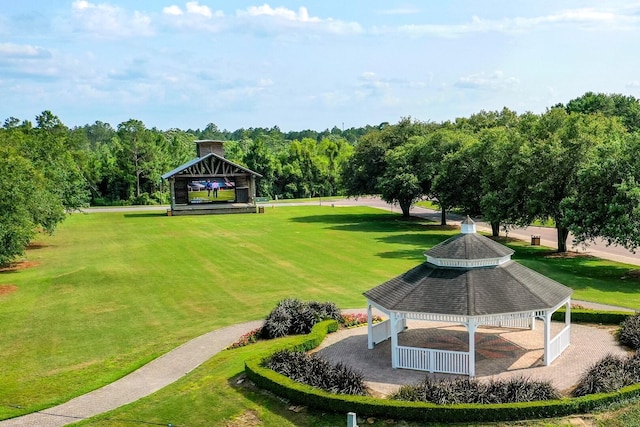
(111, 291)
(428, 204)
(114, 290)
(591, 278)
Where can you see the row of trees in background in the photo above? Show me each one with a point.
(575, 164)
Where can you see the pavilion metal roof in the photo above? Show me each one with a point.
(203, 158)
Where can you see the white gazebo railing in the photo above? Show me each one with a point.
(431, 360)
(559, 343)
(380, 332)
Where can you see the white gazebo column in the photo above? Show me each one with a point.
(370, 343)
(547, 337)
(393, 320)
(472, 326)
(567, 315)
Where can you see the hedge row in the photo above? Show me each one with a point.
(580, 315)
(311, 397)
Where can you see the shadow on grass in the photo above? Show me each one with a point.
(417, 232)
(145, 214)
(579, 271)
(374, 222)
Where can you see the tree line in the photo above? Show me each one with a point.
(574, 164)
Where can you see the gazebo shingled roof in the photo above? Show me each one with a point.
(469, 246)
(471, 279)
(505, 288)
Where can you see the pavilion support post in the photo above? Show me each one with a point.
(472, 326)
(393, 320)
(370, 343)
(547, 337)
(567, 316)
(172, 191)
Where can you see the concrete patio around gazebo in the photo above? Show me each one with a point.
(500, 353)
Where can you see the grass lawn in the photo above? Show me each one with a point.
(111, 291)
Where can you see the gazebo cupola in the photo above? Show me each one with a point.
(471, 280)
(468, 250)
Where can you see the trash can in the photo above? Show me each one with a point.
(260, 209)
(535, 240)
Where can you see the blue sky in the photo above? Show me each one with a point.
(310, 65)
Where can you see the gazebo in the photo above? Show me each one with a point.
(470, 280)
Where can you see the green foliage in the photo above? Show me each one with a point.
(316, 372)
(39, 182)
(607, 200)
(293, 317)
(609, 374)
(426, 412)
(629, 333)
(470, 390)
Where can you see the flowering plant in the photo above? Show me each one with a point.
(358, 319)
(246, 339)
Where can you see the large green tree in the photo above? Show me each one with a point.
(39, 181)
(545, 170)
(606, 203)
(379, 166)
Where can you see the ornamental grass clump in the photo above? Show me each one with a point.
(317, 372)
(294, 317)
(609, 374)
(471, 390)
(629, 333)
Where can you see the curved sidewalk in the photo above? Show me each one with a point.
(173, 365)
(148, 379)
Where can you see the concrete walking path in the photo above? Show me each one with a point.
(150, 378)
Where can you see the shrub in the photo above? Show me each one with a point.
(629, 333)
(294, 317)
(606, 375)
(326, 310)
(246, 339)
(278, 323)
(470, 390)
(316, 372)
(519, 389)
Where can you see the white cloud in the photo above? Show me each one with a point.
(11, 50)
(493, 81)
(107, 21)
(194, 17)
(584, 18)
(281, 12)
(196, 9)
(279, 19)
(172, 10)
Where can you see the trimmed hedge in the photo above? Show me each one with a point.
(581, 315)
(311, 397)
